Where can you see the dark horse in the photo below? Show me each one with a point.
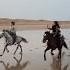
(52, 44)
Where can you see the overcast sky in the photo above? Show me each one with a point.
(35, 9)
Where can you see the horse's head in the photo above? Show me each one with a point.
(46, 36)
(2, 34)
(4, 30)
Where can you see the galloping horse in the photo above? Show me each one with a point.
(52, 43)
(9, 41)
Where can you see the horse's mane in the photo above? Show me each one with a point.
(48, 33)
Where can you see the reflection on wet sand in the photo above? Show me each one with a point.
(18, 66)
(57, 65)
(65, 67)
(33, 52)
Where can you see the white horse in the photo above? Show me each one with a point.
(9, 41)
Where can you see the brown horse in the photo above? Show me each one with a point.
(53, 44)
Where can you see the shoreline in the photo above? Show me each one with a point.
(32, 27)
(22, 24)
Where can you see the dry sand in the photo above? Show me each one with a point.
(31, 24)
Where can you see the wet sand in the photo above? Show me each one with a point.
(33, 51)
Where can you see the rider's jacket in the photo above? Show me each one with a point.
(12, 33)
(13, 30)
(56, 30)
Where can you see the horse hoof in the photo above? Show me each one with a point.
(44, 59)
(1, 55)
(52, 54)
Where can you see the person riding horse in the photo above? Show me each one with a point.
(56, 31)
(12, 31)
(54, 40)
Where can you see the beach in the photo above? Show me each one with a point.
(33, 53)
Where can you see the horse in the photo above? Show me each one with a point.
(53, 44)
(9, 41)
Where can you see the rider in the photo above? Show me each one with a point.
(12, 31)
(55, 29)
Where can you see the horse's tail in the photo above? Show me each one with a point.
(24, 40)
(65, 45)
(63, 42)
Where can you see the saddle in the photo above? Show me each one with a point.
(59, 39)
(13, 35)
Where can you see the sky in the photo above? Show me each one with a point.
(35, 9)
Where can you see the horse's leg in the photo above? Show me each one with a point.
(20, 48)
(45, 52)
(52, 52)
(16, 49)
(5, 48)
(59, 55)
